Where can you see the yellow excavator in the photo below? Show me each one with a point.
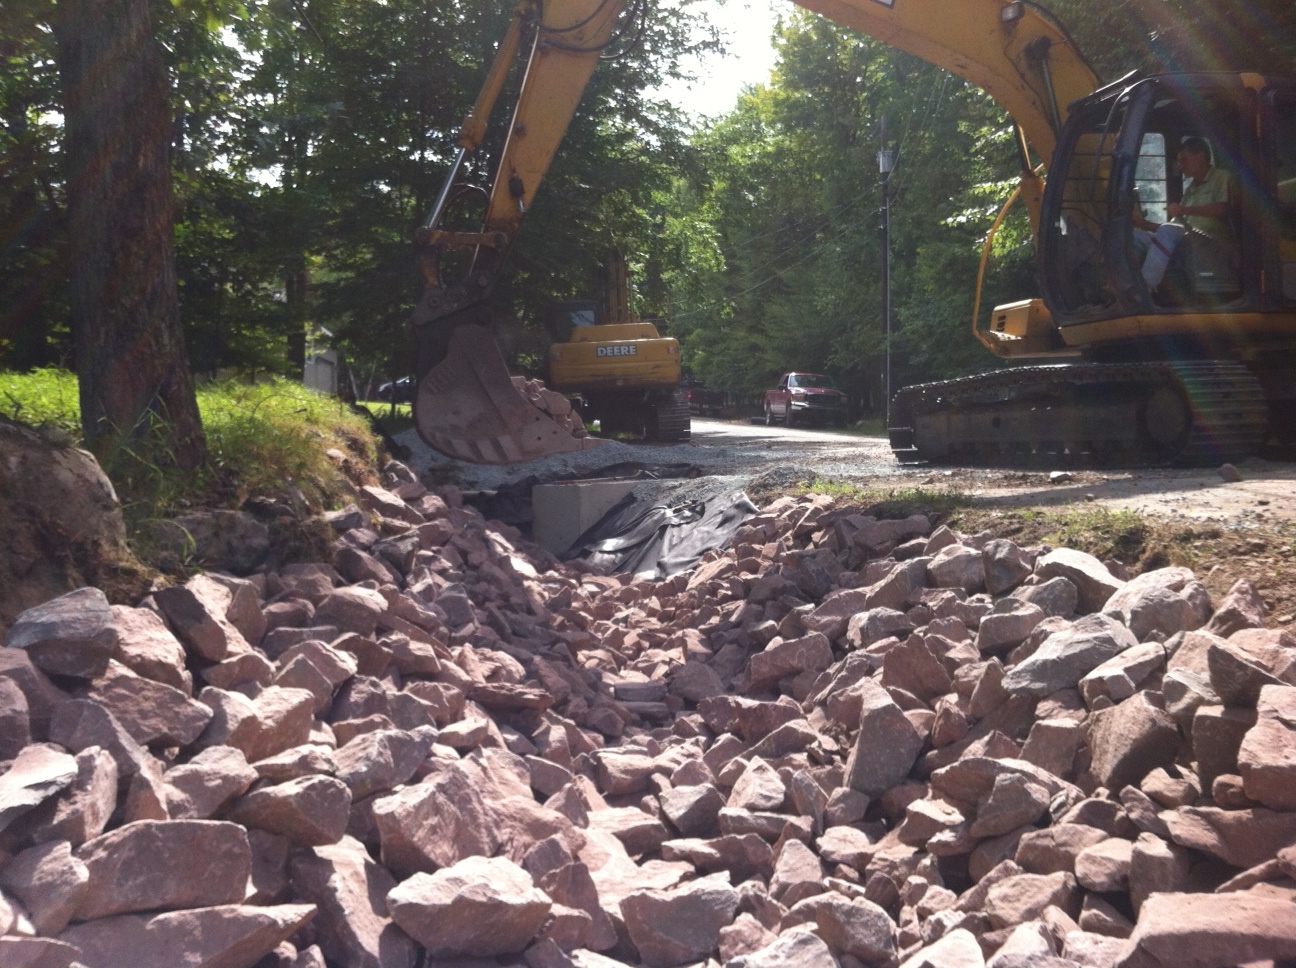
(623, 370)
(1198, 367)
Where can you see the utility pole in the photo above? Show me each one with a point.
(886, 163)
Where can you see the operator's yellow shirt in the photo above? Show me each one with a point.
(1213, 187)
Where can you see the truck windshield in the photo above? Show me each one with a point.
(814, 380)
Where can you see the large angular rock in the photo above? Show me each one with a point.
(15, 720)
(1008, 625)
(1217, 734)
(23, 952)
(831, 618)
(229, 936)
(82, 810)
(311, 811)
(353, 927)
(1156, 867)
(1025, 897)
(38, 773)
(1207, 930)
(640, 832)
(572, 885)
(208, 783)
(41, 695)
(914, 667)
(759, 787)
(886, 747)
(1248, 661)
(958, 949)
(811, 653)
(693, 810)
(1089, 575)
(1241, 838)
(72, 635)
(276, 720)
(1064, 658)
(856, 927)
(1105, 867)
(1242, 608)
(800, 948)
(148, 648)
(480, 907)
(79, 724)
(1267, 756)
(1014, 802)
(195, 612)
(164, 865)
(152, 712)
(351, 609)
(1163, 601)
(1006, 565)
(1058, 597)
(49, 881)
(680, 925)
(798, 874)
(957, 566)
(1056, 848)
(1130, 740)
(381, 760)
(434, 824)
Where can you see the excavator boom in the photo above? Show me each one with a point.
(1012, 49)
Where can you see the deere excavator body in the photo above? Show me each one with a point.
(1199, 368)
(625, 372)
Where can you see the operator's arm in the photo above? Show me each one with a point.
(1208, 210)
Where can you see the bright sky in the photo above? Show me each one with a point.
(747, 26)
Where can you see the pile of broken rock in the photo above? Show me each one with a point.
(842, 741)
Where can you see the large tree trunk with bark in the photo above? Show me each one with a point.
(137, 394)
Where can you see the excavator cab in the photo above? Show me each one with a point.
(1115, 166)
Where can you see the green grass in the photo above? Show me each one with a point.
(895, 502)
(394, 420)
(42, 397)
(261, 438)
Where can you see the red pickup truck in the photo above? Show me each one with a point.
(702, 401)
(806, 398)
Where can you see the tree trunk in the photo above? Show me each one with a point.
(137, 394)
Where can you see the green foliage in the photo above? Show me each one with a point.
(311, 137)
(792, 206)
(42, 397)
(261, 438)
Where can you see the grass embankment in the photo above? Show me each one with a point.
(262, 439)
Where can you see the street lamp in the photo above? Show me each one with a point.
(886, 164)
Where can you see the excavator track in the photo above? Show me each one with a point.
(667, 419)
(1088, 414)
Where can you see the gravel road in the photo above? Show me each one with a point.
(1266, 494)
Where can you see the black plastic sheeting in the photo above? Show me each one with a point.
(641, 536)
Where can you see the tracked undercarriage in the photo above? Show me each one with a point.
(1087, 414)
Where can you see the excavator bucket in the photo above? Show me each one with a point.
(468, 408)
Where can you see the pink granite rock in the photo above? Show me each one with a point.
(350, 890)
(228, 935)
(480, 907)
(164, 865)
(681, 925)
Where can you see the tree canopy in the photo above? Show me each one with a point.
(309, 138)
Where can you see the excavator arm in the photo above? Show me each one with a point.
(466, 405)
